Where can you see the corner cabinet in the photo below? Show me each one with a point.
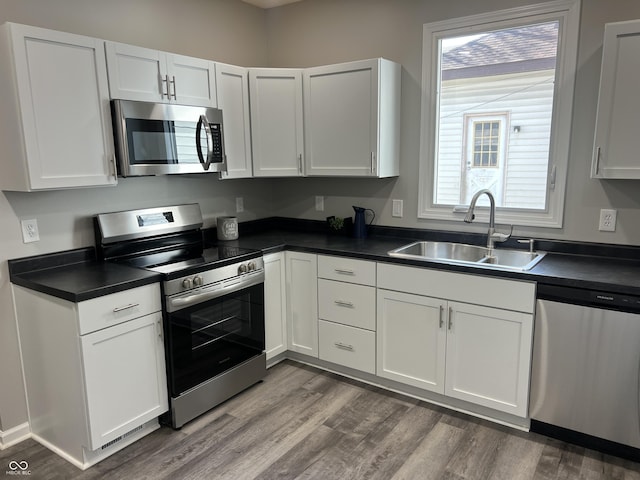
(276, 121)
(143, 74)
(302, 302)
(232, 86)
(464, 336)
(617, 141)
(94, 370)
(56, 121)
(352, 119)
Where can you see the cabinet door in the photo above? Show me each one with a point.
(302, 302)
(341, 112)
(232, 85)
(125, 377)
(192, 81)
(137, 73)
(275, 306)
(489, 357)
(411, 339)
(276, 122)
(62, 111)
(616, 139)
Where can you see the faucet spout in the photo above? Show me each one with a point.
(492, 235)
(492, 212)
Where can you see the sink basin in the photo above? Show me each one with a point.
(441, 251)
(463, 254)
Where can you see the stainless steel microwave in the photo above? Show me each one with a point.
(163, 139)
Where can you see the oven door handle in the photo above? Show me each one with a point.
(178, 302)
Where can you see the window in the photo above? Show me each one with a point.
(496, 112)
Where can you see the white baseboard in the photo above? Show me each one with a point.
(14, 435)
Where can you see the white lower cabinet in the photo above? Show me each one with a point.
(302, 302)
(94, 371)
(477, 353)
(412, 339)
(275, 304)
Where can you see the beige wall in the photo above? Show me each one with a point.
(316, 32)
(224, 30)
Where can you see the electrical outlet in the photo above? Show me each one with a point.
(319, 203)
(607, 220)
(396, 209)
(30, 231)
(239, 205)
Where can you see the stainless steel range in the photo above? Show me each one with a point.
(213, 300)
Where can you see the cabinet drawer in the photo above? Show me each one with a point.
(347, 270)
(348, 346)
(346, 303)
(109, 310)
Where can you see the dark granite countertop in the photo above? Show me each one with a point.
(77, 276)
(620, 275)
(81, 278)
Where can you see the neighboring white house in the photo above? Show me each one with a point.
(495, 116)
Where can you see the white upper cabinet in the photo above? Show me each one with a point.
(143, 74)
(352, 119)
(56, 122)
(276, 119)
(616, 145)
(233, 99)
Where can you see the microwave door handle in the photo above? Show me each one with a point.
(203, 121)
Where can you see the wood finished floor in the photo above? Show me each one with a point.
(304, 423)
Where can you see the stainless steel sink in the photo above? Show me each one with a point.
(463, 254)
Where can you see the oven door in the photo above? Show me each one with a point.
(205, 339)
(159, 139)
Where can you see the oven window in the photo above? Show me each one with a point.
(162, 142)
(209, 338)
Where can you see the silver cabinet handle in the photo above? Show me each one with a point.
(344, 346)
(373, 162)
(342, 303)
(174, 88)
(343, 271)
(441, 316)
(300, 163)
(597, 169)
(164, 82)
(126, 307)
(159, 328)
(450, 317)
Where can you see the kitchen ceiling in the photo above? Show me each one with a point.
(269, 3)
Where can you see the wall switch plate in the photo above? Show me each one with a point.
(239, 205)
(607, 220)
(30, 231)
(319, 203)
(396, 209)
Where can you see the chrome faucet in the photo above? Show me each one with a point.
(492, 235)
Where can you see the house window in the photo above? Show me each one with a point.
(486, 144)
(496, 112)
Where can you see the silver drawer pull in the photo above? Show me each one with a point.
(342, 303)
(344, 271)
(344, 346)
(126, 307)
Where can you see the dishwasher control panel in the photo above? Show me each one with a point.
(589, 298)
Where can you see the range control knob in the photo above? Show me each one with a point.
(186, 283)
(251, 266)
(197, 280)
(242, 269)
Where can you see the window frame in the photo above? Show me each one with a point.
(567, 13)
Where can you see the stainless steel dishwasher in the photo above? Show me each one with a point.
(585, 385)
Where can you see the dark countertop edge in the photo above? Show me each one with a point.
(88, 294)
